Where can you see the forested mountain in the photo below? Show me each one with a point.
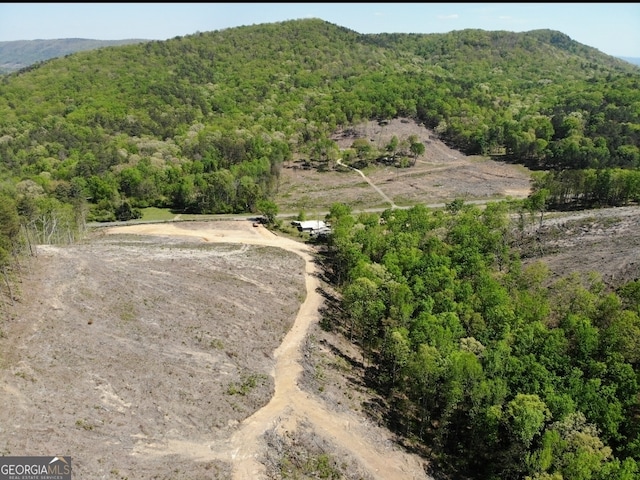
(202, 123)
(16, 55)
(20, 54)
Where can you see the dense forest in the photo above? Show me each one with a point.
(503, 373)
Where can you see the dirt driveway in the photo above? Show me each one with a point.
(169, 351)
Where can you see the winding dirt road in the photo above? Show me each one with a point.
(289, 405)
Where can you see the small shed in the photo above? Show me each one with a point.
(311, 226)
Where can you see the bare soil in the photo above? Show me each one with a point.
(192, 350)
(605, 241)
(173, 351)
(439, 175)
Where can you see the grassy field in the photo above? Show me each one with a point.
(153, 214)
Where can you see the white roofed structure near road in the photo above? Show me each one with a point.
(313, 227)
(309, 225)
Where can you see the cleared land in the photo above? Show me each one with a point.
(170, 351)
(438, 176)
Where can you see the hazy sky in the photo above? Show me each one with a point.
(613, 28)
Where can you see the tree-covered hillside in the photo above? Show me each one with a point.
(500, 370)
(202, 123)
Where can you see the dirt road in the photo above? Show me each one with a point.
(373, 185)
(289, 404)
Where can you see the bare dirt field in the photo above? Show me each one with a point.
(606, 241)
(439, 175)
(172, 351)
(192, 350)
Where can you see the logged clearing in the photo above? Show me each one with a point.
(173, 351)
(439, 175)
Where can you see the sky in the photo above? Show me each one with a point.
(612, 28)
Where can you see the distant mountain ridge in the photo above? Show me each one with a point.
(634, 60)
(19, 54)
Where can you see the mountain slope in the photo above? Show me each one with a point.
(170, 123)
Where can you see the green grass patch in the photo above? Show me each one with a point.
(155, 214)
(248, 383)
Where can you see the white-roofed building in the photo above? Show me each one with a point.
(313, 227)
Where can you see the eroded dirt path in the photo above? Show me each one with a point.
(373, 185)
(289, 404)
